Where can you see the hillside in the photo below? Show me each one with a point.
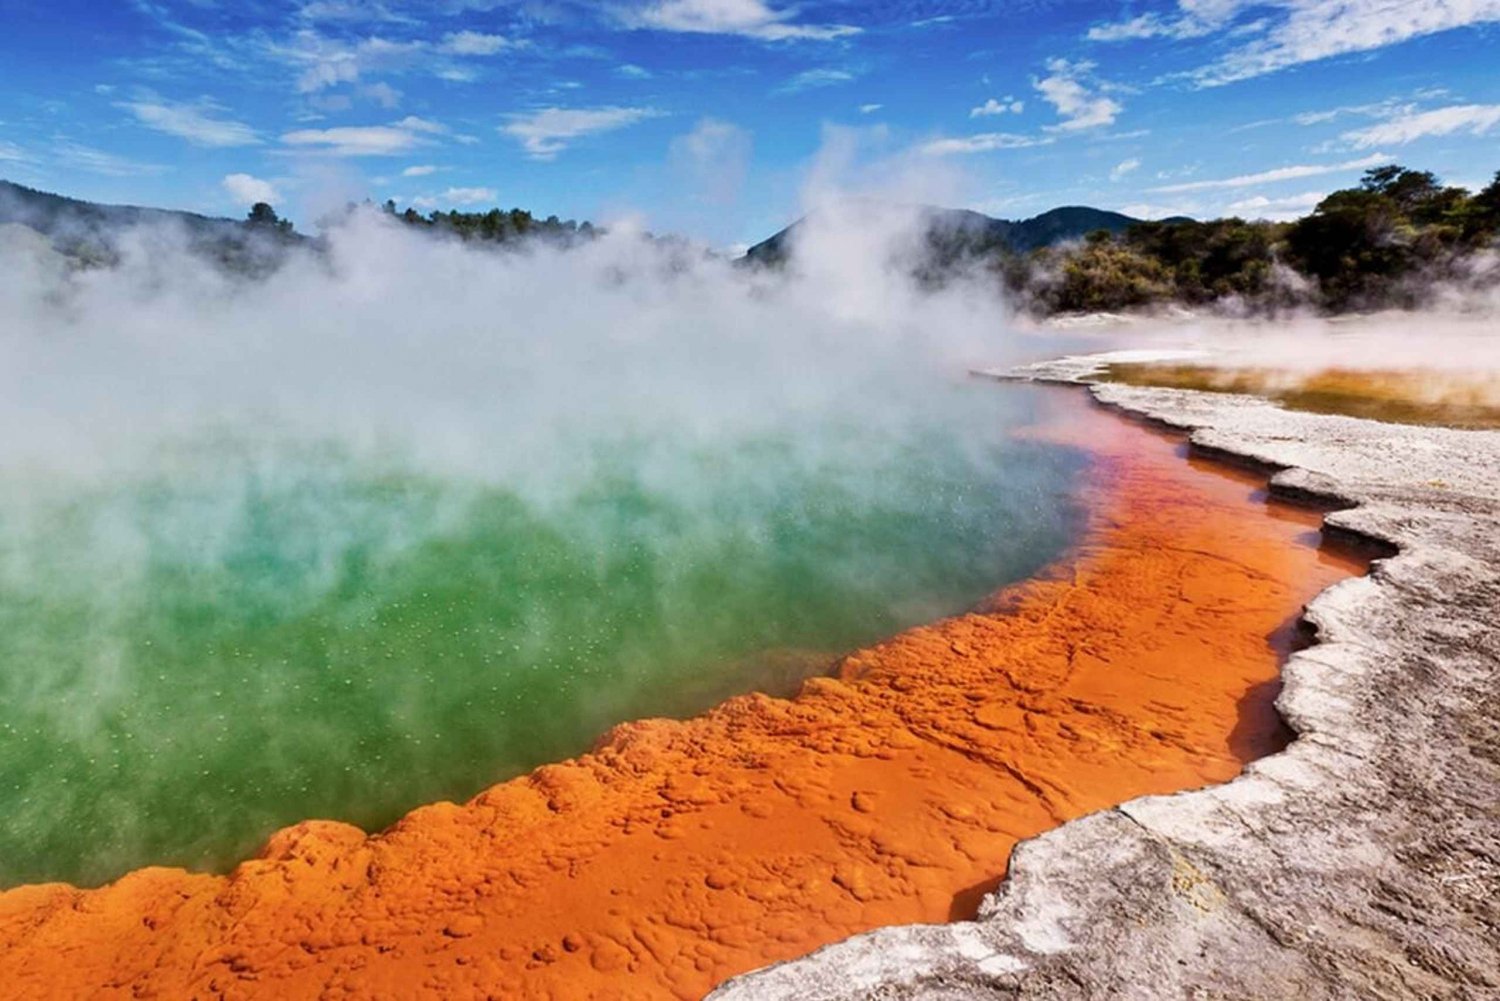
(960, 232)
(90, 232)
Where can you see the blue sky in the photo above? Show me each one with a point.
(714, 117)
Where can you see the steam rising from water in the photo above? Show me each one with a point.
(408, 517)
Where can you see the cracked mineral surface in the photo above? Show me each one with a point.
(1361, 862)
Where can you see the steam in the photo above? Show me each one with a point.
(1450, 346)
(483, 359)
(405, 516)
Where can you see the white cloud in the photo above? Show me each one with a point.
(1474, 119)
(1079, 101)
(1298, 31)
(420, 170)
(327, 63)
(414, 124)
(984, 142)
(546, 133)
(631, 71)
(1150, 210)
(1279, 174)
(247, 190)
(457, 196)
(475, 43)
(1195, 18)
(195, 123)
(382, 94)
(11, 153)
(96, 161)
(993, 107)
(1276, 209)
(1319, 29)
(813, 78)
(1123, 168)
(869, 109)
(355, 140)
(714, 158)
(749, 18)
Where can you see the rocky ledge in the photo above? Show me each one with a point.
(1362, 862)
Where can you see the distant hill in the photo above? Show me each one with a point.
(958, 232)
(89, 232)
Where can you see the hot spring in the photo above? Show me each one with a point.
(408, 519)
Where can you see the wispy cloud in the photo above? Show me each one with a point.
(1276, 209)
(546, 133)
(419, 170)
(414, 124)
(1290, 173)
(869, 109)
(1474, 119)
(322, 62)
(475, 43)
(1287, 33)
(714, 159)
(194, 122)
(815, 78)
(1319, 29)
(1124, 168)
(748, 18)
(1194, 19)
(457, 196)
(382, 94)
(1079, 99)
(991, 107)
(984, 142)
(96, 161)
(355, 140)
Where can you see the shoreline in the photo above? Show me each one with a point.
(1359, 862)
(682, 852)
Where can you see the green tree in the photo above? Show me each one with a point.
(263, 216)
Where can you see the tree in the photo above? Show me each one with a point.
(1482, 220)
(263, 216)
(1416, 193)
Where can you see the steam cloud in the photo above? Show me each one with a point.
(405, 516)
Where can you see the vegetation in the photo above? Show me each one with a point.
(496, 225)
(1398, 239)
(1388, 242)
(263, 217)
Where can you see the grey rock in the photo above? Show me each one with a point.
(1362, 862)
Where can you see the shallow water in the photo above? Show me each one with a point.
(237, 631)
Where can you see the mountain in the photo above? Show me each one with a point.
(90, 232)
(959, 232)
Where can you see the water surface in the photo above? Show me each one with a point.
(239, 629)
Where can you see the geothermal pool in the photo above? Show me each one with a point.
(678, 854)
(233, 628)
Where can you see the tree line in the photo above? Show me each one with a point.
(1389, 242)
(496, 225)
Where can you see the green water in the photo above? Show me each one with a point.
(247, 631)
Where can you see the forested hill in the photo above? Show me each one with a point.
(90, 233)
(53, 215)
(960, 232)
(1400, 238)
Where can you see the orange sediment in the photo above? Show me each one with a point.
(680, 853)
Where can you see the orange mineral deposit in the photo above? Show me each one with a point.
(678, 854)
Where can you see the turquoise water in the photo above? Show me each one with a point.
(239, 631)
